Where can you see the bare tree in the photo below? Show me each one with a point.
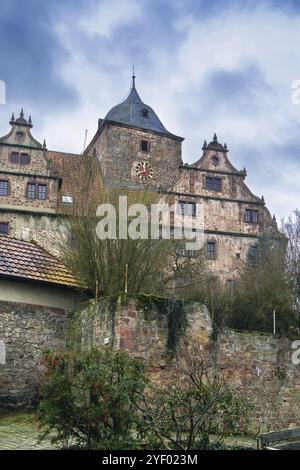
(197, 403)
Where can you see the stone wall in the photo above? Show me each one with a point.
(26, 331)
(120, 149)
(260, 363)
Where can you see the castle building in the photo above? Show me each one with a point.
(133, 150)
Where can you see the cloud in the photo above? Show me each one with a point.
(108, 16)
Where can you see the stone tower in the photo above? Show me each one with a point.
(134, 148)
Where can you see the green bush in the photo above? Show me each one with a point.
(88, 399)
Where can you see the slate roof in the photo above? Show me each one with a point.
(130, 112)
(24, 260)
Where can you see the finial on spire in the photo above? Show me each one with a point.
(44, 144)
(215, 139)
(262, 199)
(204, 144)
(21, 113)
(29, 120)
(12, 117)
(133, 77)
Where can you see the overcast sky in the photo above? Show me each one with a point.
(204, 66)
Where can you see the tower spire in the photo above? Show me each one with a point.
(133, 78)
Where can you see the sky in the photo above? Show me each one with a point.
(204, 66)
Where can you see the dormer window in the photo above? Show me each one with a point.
(20, 158)
(251, 216)
(14, 157)
(20, 136)
(145, 113)
(145, 146)
(24, 159)
(213, 184)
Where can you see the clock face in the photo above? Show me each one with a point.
(144, 171)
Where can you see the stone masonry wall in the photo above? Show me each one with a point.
(26, 331)
(119, 148)
(261, 363)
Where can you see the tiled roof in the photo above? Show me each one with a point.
(68, 167)
(24, 260)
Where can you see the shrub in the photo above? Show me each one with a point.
(88, 399)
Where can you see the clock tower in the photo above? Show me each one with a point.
(134, 148)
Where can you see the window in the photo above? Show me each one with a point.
(4, 226)
(145, 113)
(145, 146)
(14, 157)
(36, 191)
(4, 188)
(24, 159)
(230, 283)
(251, 216)
(31, 190)
(213, 184)
(20, 136)
(211, 250)
(67, 199)
(187, 208)
(42, 191)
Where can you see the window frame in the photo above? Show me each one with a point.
(39, 186)
(22, 155)
(36, 190)
(213, 183)
(31, 192)
(18, 158)
(249, 217)
(144, 141)
(211, 254)
(8, 187)
(181, 205)
(2, 222)
(15, 154)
